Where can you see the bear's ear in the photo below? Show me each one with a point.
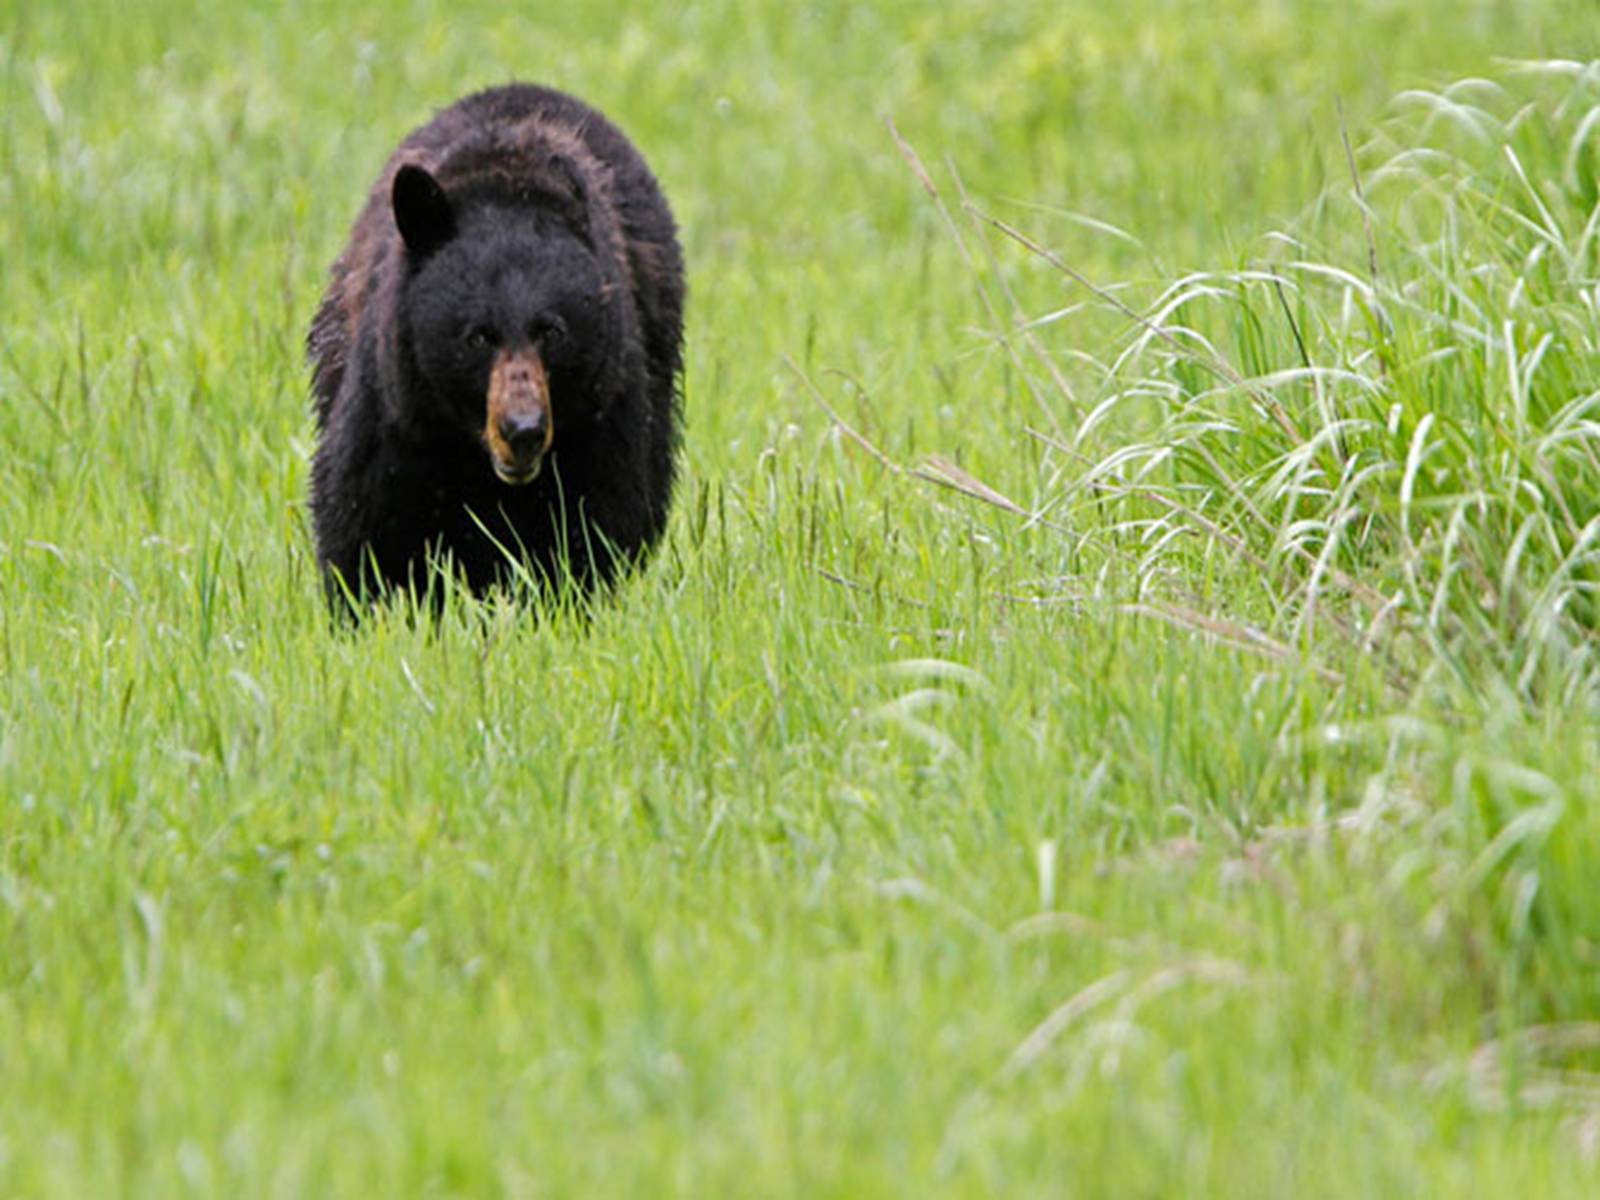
(574, 191)
(421, 210)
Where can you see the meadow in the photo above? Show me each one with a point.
(1115, 712)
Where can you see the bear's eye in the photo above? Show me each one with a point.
(479, 337)
(548, 331)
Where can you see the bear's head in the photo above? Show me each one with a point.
(508, 312)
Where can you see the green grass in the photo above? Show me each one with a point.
(1218, 815)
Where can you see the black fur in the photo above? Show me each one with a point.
(517, 214)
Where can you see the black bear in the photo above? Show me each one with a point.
(496, 360)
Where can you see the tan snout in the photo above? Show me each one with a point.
(518, 429)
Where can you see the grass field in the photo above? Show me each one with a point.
(1142, 742)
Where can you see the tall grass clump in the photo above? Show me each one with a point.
(1371, 449)
(1376, 438)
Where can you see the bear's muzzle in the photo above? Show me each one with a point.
(518, 429)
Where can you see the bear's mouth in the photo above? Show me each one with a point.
(516, 475)
(518, 430)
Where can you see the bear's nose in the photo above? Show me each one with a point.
(524, 433)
